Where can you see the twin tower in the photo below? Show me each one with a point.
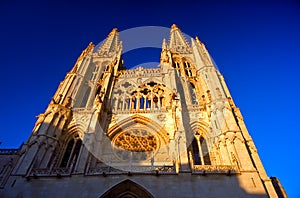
(169, 131)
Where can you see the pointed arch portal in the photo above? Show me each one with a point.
(127, 189)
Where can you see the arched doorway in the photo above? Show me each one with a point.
(127, 189)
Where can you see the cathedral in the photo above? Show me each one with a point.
(168, 131)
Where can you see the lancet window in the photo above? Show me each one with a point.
(71, 153)
(150, 96)
(196, 154)
(199, 152)
(176, 65)
(85, 97)
(193, 94)
(187, 69)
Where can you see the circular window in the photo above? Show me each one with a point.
(136, 144)
(137, 140)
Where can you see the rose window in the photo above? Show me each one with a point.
(136, 140)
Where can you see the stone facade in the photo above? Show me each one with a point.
(172, 131)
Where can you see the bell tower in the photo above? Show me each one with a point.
(53, 142)
(172, 130)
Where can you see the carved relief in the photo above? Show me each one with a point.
(161, 117)
(149, 96)
(137, 140)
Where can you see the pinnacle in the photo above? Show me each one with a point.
(198, 40)
(164, 44)
(177, 38)
(174, 27)
(111, 43)
(113, 32)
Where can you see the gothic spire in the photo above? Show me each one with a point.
(204, 53)
(111, 44)
(164, 45)
(178, 42)
(83, 54)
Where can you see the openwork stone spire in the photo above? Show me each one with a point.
(83, 54)
(111, 44)
(178, 43)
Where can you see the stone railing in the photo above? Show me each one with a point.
(5, 173)
(161, 110)
(215, 169)
(83, 110)
(9, 151)
(196, 107)
(106, 170)
(48, 172)
(140, 72)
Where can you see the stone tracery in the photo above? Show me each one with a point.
(137, 140)
(149, 96)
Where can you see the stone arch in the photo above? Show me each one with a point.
(105, 63)
(155, 93)
(119, 83)
(121, 94)
(70, 151)
(200, 128)
(200, 149)
(78, 127)
(177, 63)
(127, 189)
(138, 136)
(188, 59)
(151, 79)
(154, 80)
(177, 57)
(134, 119)
(68, 146)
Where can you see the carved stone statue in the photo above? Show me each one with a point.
(41, 118)
(164, 56)
(97, 101)
(58, 100)
(68, 102)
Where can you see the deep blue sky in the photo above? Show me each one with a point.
(255, 45)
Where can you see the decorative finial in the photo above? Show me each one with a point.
(174, 27)
(114, 31)
(198, 40)
(91, 44)
(164, 44)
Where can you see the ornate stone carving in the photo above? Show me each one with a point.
(161, 117)
(137, 140)
(215, 169)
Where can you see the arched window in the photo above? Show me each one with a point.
(196, 154)
(187, 68)
(85, 97)
(186, 64)
(71, 153)
(200, 152)
(150, 96)
(67, 154)
(176, 65)
(193, 94)
(155, 102)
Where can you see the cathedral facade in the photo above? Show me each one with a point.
(169, 131)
